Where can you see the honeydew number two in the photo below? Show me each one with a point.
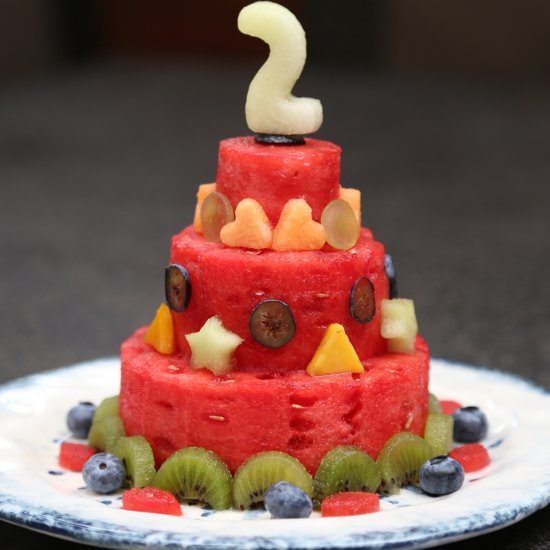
(270, 106)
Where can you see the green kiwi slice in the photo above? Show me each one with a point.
(260, 471)
(195, 473)
(108, 407)
(400, 460)
(438, 433)
(105, 433)
(137, 455)
(434, 406)
(345, 468)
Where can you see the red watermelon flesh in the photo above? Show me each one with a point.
(240, 414)
(230, 282)
(274, 174)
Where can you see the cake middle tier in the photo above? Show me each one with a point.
(315, 285)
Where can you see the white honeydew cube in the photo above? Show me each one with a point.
(213, 346)
(399, 325)
(270, 106)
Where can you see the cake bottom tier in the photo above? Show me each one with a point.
(240, 414)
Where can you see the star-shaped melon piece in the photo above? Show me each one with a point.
(296, 229)
(251, 228)
(399, 325)
(204, 190)
(335, 354)
(353, 197)
(213, 346)
(161, 332)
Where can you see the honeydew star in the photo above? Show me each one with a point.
(212, 347)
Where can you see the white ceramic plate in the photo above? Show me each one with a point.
(35, 493)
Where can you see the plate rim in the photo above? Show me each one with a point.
(27, 514)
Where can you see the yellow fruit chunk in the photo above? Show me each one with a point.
(335, 354)
(296, 229)
(213, 346)
(399, 324)
(161, 332)
(204, 190)
(353, 198)
(251, 228)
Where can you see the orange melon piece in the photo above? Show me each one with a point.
(204, 190)
(296, 229)
(353, 198)
(251, 228)
(335, 354)
(161, 332)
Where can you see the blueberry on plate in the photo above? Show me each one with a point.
(104, 473)
(284, 500)
(469, 425)
(441, 475)
(79, 419)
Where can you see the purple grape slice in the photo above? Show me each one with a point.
(362, 305)
(272, 323)
(177, 287)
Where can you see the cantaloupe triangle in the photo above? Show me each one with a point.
(353, 198)
(161, 332)
(296, 229)
(204, 190)
(335, 354)
(251, 228)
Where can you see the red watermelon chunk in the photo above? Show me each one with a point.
(240, 414)
(274, 174)
(316, 285)
(472, 456)
(73, 456)
(151, 499)
(350, 504)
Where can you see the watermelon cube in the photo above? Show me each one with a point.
(73, 456)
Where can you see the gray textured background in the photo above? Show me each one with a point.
(99, 168)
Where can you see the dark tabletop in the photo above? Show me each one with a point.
(99, 168)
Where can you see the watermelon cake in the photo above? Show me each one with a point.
(281, 329)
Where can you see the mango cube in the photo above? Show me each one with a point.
(161, 332)
(335, 354)
(204, 190)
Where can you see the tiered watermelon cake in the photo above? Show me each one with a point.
(279, 331)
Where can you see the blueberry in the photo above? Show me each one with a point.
(104, 473)
(284, 500)
(79, 419)
(469, 425)
(390, 272)
(441, 475)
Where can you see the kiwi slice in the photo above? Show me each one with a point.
(400, 460)
(345, 468)
(434, 406)
(195, 473)
(105, 433)
(260, 471)
(438, 433)
(137, 456)
(108, 407)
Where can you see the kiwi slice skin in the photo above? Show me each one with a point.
(434, 406)
(199, 474)
(438, 433)
(105, 433)
(108, 407)
(400, 460)
(345, 468)
(137, 456)
(258, 473)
